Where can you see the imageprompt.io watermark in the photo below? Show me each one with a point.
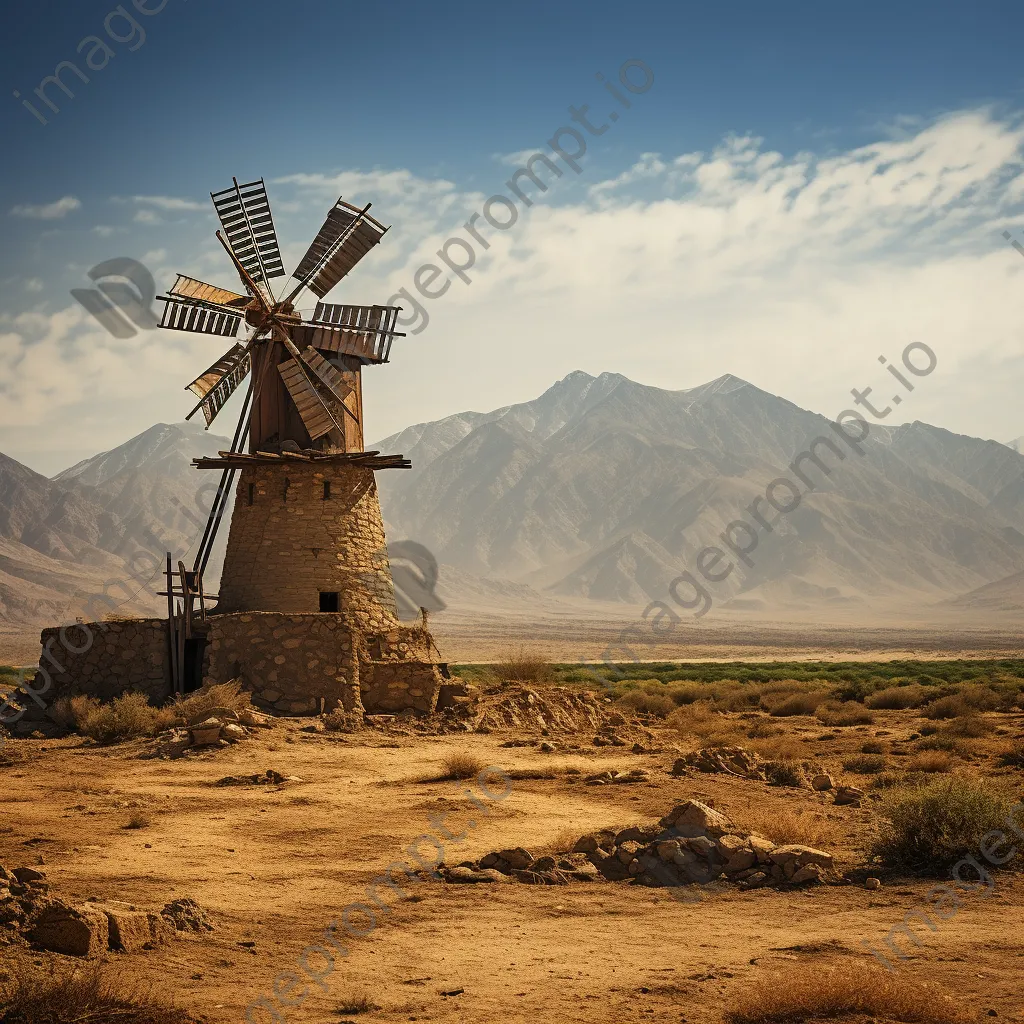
(120, 26)
(500, 213)
(121, 307)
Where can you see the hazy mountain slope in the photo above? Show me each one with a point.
(607, 489)
(103, 527)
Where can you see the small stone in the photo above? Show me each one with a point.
(872, 883)
(822, 782)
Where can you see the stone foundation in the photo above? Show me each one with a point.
(292, 663)
(308, 663)
(105, 660)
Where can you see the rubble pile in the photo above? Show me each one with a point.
(692, 844)
(28, 912)
(719, 760)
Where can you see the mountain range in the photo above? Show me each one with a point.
(601, 489)
(606, 489)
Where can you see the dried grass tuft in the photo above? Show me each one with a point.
(822, 994)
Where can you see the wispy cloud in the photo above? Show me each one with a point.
(170, 203)
(48, 211)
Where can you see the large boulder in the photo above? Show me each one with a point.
(74, 931)
(693, 818)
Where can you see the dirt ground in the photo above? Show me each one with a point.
(275, 865)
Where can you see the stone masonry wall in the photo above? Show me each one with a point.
(105, 659)
(292, 542)
(300, 664)
(290, 662)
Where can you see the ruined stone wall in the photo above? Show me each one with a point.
(105, 659)
(305, 663)
(400, 670)
(290, 662)
(288, 542)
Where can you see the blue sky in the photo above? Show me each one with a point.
(423, 109)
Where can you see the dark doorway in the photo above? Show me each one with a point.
(330, 601)
(195, 648)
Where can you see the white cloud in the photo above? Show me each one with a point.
(147, 217)
(33, 284)
(49, 211)
(171, 203)
(104, 230)
(793, 271)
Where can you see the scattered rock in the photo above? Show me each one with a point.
(693, 843)
(822, 782)
(716, 760)
(872, 883)
(848, 795)
(187, 916)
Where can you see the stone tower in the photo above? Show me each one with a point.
(309, 537)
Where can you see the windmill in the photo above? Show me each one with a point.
(304, 398)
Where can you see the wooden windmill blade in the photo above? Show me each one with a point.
(199, 317)
(220, 382)
(313, 410)
(346, 237)
(208, 380)
(191, 288)
(244, 213)
(329, 375)
(365, 332)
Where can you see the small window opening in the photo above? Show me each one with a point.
(252, 493)
(327, 489)
(330, 601)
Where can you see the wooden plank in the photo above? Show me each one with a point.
(191, 288)
(317, 419)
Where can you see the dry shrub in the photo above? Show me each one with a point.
(932, 762)
(460, 765)
(778, 748)
(355, 1002)
(950, 744)
(1012, 756)
(971, 726)
(783, 825)
(932, 825)
(800, 704)
(230, 695)
(898, 698)
(520, 666)
(947, 707)
(783, 773)
(643, 702)
(138, 819)
(872, 747)
(843, 715)
(86, 997)
(762, 729)
(865, 764)
(127, 717)
(819, 993)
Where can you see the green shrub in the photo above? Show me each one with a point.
(931, 826)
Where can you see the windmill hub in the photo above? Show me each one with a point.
(283, 313)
